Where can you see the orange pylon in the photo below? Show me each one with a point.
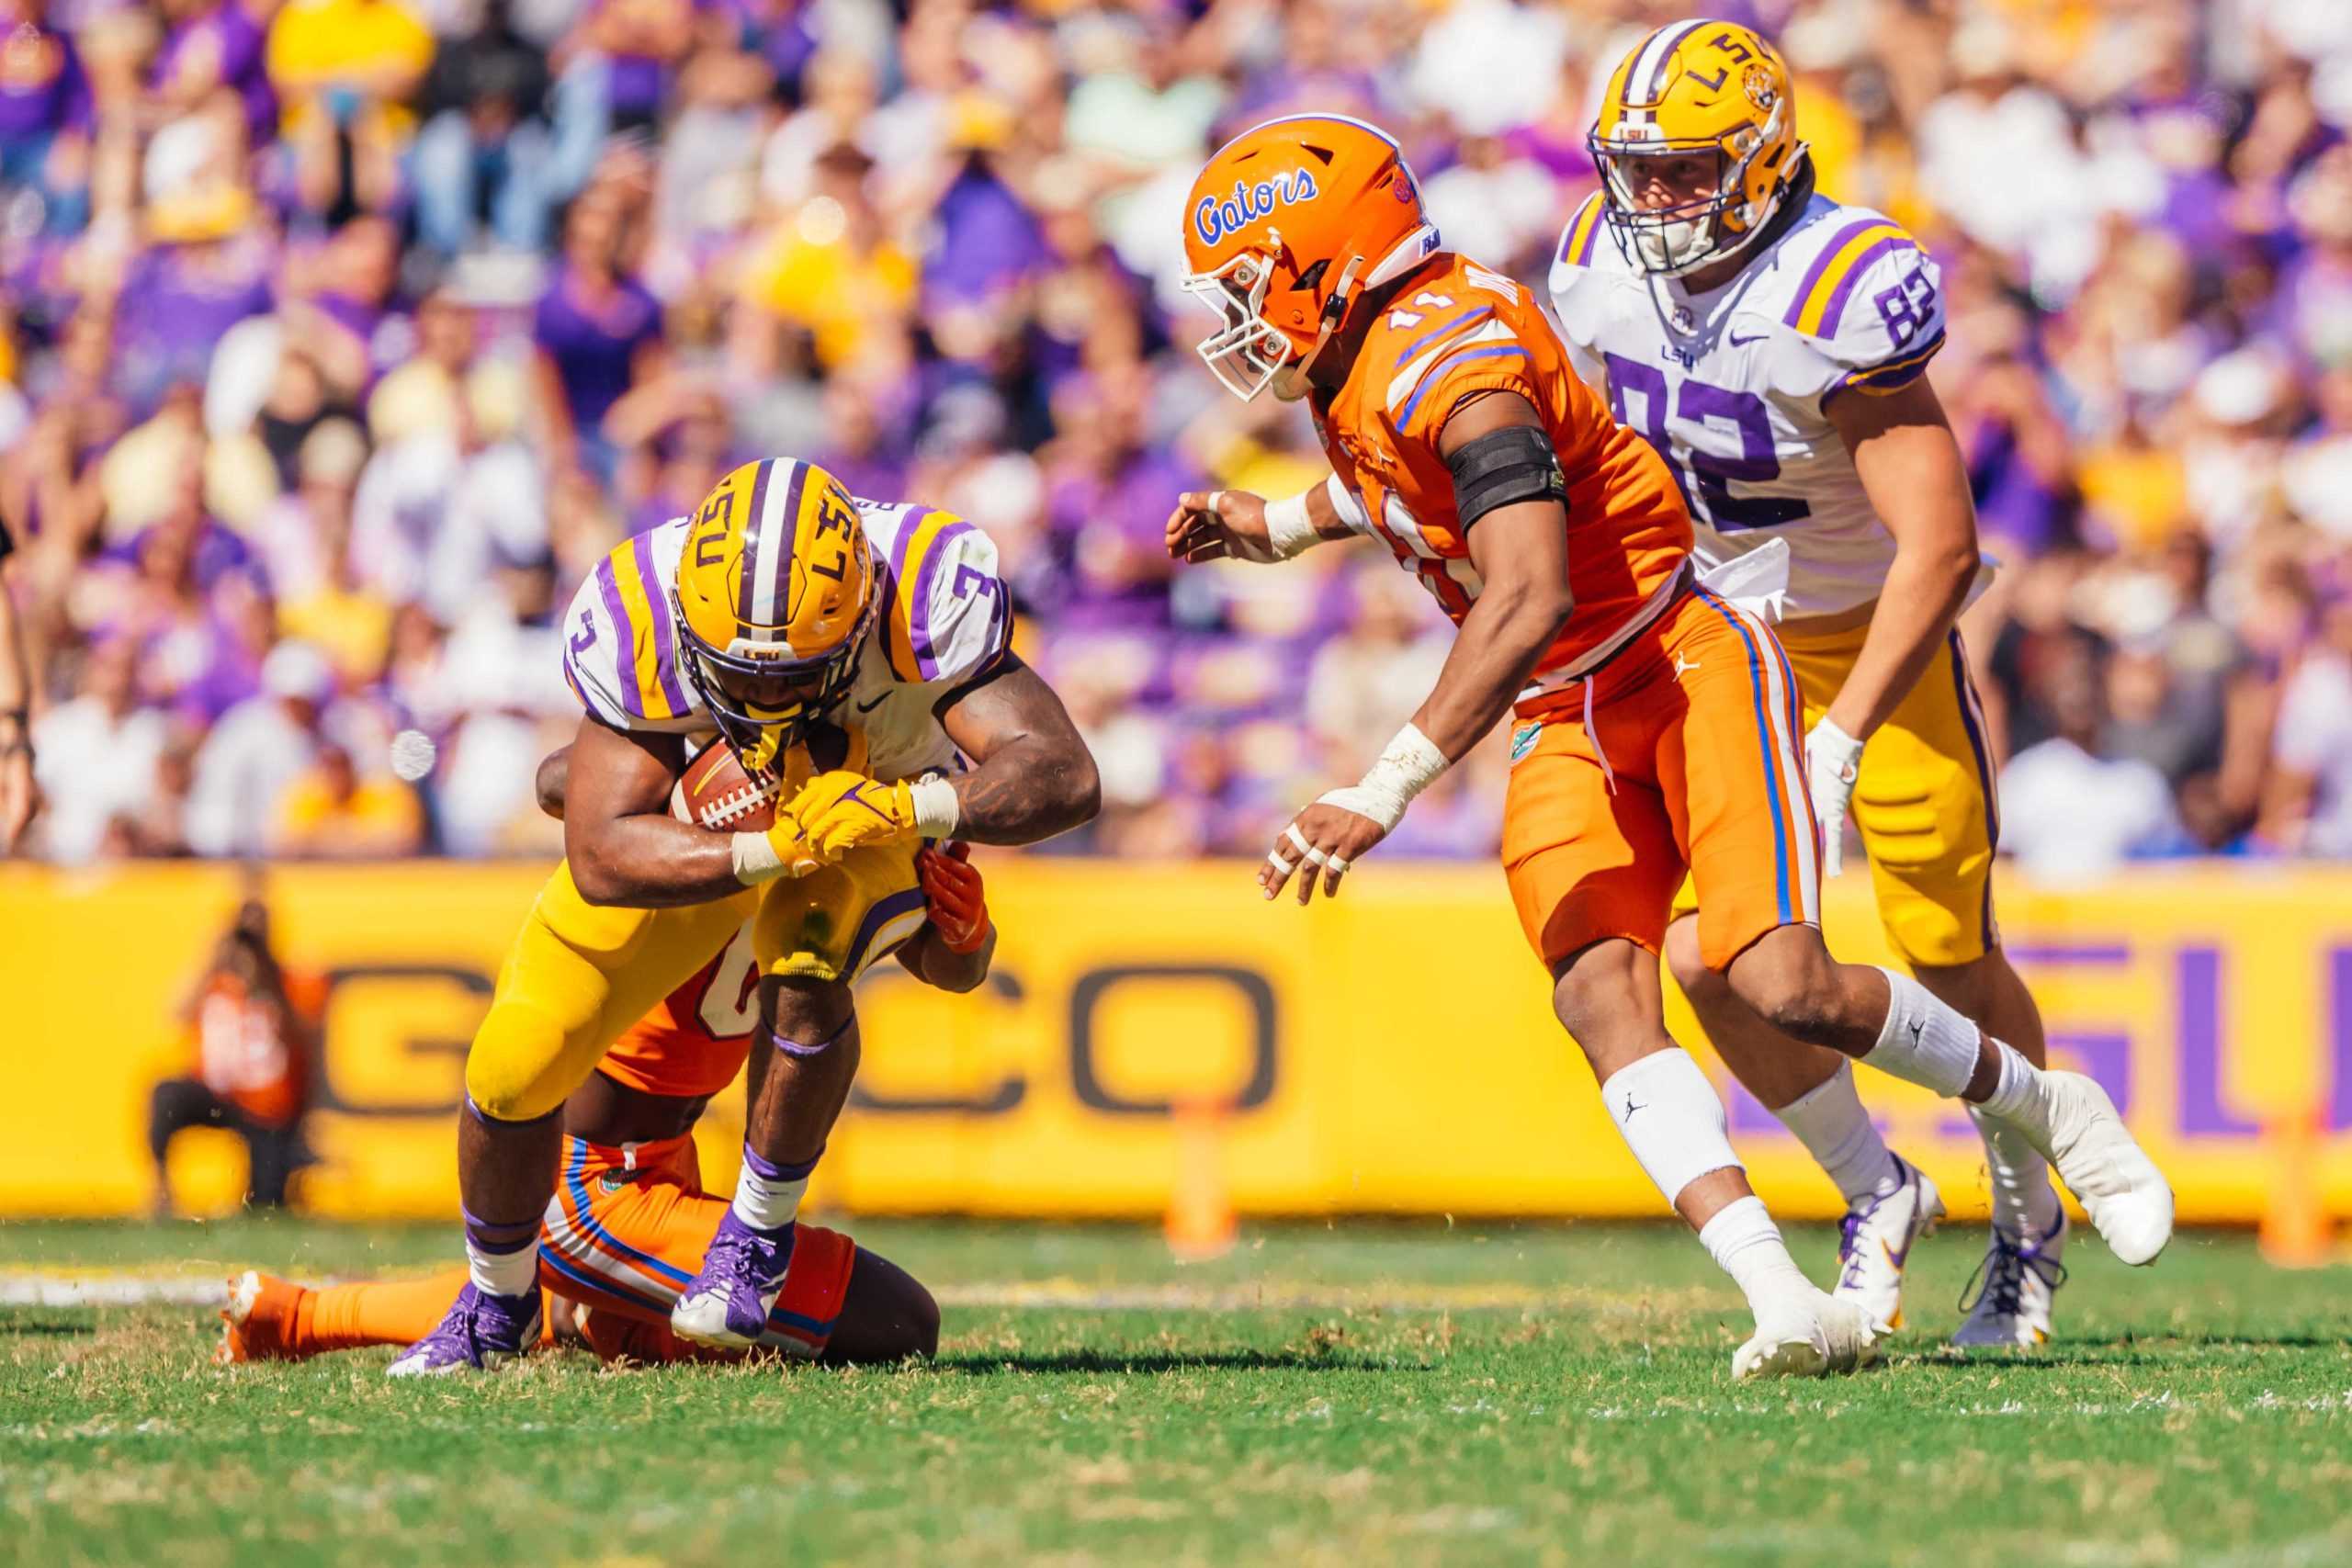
(1200, 1206)
(2295, 1230)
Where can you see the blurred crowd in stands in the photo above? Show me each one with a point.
(339, 338)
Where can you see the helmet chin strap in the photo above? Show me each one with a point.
(1290, 382)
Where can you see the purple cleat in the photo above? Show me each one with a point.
(480, 1332)
(742, 1273)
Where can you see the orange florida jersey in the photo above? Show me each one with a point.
(1455, 329)
(693, 1045)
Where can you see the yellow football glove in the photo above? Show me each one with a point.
(841, 811)
(790, 841)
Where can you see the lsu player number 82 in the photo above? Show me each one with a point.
(1772, 345)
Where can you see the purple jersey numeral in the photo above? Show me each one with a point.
(1706, 475)
(967, 579)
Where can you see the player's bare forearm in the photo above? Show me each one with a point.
(1521, 552)
(1032, 777)
(929, 959)
(622, 845)
(1912, 470)
(1501, 640)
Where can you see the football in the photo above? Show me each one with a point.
(716, 793)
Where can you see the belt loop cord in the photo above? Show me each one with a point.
(1592, 735)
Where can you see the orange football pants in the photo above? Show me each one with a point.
(1680, 754)
(626, 1230)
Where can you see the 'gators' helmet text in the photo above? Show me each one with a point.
(1287, 224)
(1696, 89)
(775, 594)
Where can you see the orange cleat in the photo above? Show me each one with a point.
(258, 1322)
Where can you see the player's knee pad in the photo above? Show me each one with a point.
(515, 1071)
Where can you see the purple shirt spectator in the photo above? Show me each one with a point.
(42, 90)
(594, 345)
(988, 240)
(178, 300)
(225, 44)
(1112, 530)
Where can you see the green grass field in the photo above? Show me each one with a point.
(1357, 1395)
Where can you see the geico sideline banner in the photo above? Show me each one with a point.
(1391, 1052)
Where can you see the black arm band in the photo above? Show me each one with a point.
(1503, 466)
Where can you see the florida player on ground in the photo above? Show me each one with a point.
(629, 1221)
(780, 611)
(1772, 344)
(1656, 722)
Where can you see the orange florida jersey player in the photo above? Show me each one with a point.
(1657, 723)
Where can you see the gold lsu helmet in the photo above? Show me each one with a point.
(1696, 88)
(775, 594)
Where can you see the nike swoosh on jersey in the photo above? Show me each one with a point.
(1739, 342)
(869, 707)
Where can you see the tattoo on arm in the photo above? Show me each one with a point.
(1033, 775)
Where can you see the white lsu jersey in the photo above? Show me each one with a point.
(945, 618)
(1729, 385)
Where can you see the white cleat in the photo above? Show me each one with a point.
(1875, 1242)
(2021, 1276)
(2121, 1188)
(1807, 1336)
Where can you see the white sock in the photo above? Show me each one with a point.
(1747, 1245)
(1670, 1116)
(1830, 1122)
(2024, 1203)
(767, 1197)
(2019, 1100)
(1923, 1040)
(503, 1273)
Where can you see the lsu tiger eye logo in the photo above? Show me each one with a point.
(1214, 219)
(1759, 82)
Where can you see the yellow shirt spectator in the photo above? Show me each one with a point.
(375, 49)
(331, 813)
(811, 270)
(354, 628)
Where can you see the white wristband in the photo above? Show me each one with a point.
(1412, 762)
(936, 808)
(755, 859)
(1289, 530)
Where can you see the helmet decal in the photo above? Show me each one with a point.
(1215, 219)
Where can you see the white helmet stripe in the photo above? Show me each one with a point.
(1644, 82)
(775, 527)
(747, 571)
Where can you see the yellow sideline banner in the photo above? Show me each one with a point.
(1391, 1052)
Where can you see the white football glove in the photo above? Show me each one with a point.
(1833, 760)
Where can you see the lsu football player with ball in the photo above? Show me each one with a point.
(1656, 729)
(629, 1221)
(1772, 345)
(788, 620)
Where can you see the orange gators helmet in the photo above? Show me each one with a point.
(1287, 224)
(1705, 88)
